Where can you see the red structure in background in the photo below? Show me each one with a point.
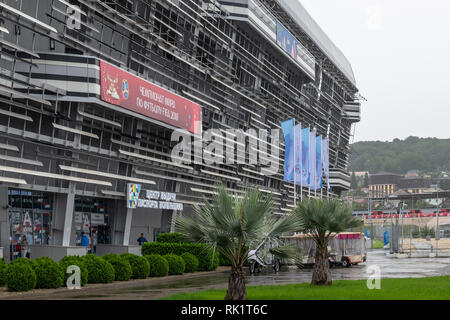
(411, 214)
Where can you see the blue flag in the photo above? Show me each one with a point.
(312, 157)
(298, 153)
(305, 157)
(288, 132)
(386, 237)
(326, 161)
(318, 176)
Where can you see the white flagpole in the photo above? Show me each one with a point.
(301, 166)
(328, 164)
(295, 188)
(315, 164)
(321, 172)
(309, 162)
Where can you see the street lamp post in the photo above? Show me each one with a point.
(371, 223)
(401, 213)
(437, 234)
(402, 206)
(392, 234)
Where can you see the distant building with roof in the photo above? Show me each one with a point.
(412, 174)
(385, 184)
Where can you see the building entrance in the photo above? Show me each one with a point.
(30, 220)
(92, 217)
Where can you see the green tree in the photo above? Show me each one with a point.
(229, 223)
(323, 219)
(428, 155)
(366, 180)
(354, 183)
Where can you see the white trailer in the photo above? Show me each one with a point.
(345, 248)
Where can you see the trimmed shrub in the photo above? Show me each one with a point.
(27, 261)
(203, 252)
(99, 270)
(3, 270)
(20, 275)
(176, 264)
(48, 273)
(122, 268)
(190, 261)
(174, 237)
(159, 267)
(139, 265)
(65, 262)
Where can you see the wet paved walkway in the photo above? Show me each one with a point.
(161, 287)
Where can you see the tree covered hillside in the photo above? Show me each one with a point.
(429, 155)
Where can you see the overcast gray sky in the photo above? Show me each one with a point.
(400, 54)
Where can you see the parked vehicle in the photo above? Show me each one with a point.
(261, 257)
(345, 248)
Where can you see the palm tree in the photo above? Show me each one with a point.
(229, 223)
(323, 219)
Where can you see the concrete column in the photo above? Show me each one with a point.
(127, 230)
(67, 231)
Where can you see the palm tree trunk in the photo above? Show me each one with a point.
(321, 274)
(236, 285)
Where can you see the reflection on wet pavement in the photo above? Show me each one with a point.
(390, 268)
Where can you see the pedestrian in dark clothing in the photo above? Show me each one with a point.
(142, 239)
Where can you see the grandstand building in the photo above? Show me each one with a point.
(74, 133)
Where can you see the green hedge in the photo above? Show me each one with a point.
(174, 237)
(176, 264)
(48, 273)
(65, 262)
(191, 262)
(201, 251)
(3, 270)
(27, 261)
(159, 267)
(99, 270)
(139, 265)
(122, 267)
(20, 275)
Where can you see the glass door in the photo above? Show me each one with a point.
(91, 217)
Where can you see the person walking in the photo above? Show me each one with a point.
(94, 241)
(142, 239)
(85, 241)
(25, 248)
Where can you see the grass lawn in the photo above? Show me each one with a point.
(378, 244)
(434, 288)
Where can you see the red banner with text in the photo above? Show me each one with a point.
(128, 91)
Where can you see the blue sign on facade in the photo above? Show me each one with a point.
(287, 41)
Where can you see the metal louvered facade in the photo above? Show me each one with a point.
(221, 55)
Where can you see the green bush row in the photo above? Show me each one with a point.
(174, 237)
(177, 237)
(24, 274)
(203, 252)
